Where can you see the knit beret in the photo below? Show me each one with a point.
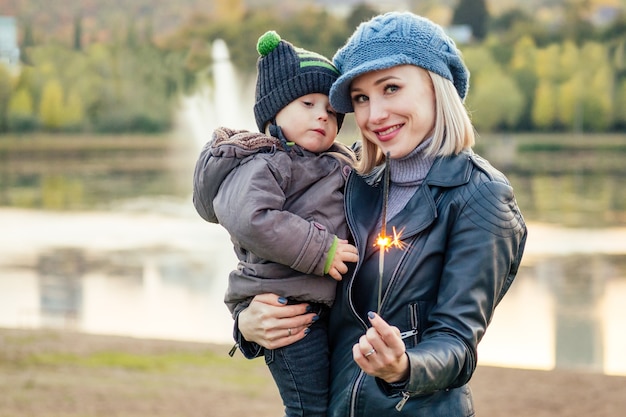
(285, 73)
(391, 39)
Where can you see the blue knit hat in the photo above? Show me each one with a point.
(285, 73)
(391, 39)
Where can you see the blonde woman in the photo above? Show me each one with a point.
(406, 340)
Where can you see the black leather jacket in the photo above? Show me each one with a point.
(464, 237)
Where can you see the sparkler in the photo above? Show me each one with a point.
(383, 241)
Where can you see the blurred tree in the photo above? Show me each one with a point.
(478, 58)
(51, 106)
(495, 102)
(360, 13)
(73, 112)
(78, 32)
(29, 80)
(133, 93)
(6, 89)
(132, 38)
(198, 56)
(619, 56)
(594, 56)
(28, 41)
(230, 11)
(570, 101)
(598, 104)
(569, 60)
(544, 107)
(317, 31)
(577, 25)
(21, 112)
(620, 105)
(508, 20)
(473, 13)
(547, 61)
(522, 67)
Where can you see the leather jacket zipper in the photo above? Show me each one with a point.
(355, 389)
(405, 398)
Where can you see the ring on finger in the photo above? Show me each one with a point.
(289, 331)
(370, 352)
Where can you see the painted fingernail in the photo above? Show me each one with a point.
(307, 331)
(282, 300)
(308, 308)
(315, 318)
(371, 315)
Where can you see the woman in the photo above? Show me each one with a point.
(461, 232)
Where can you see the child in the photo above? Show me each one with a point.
(280, 196)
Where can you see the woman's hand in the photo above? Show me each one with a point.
(381, 351)
(271, 323)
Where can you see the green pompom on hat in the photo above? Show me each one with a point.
(285, 73)
(267, 43)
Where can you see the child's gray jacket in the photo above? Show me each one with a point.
(282, 209)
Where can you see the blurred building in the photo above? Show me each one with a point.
(9, 50)
(345, 7)
(462, 34)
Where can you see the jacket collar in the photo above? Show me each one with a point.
(364, 202)
(451, 171)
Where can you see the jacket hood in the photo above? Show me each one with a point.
(226, 150)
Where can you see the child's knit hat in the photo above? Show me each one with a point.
(396, 38)
(286, 73)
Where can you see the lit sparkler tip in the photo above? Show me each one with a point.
(383, 241)
(386, 242)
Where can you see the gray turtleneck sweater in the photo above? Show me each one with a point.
(406, 175)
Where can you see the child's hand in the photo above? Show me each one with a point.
(345, 253)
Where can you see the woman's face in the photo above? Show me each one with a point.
(394, 108)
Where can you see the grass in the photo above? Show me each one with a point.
(22, 351)
(124, 360)
(56, 373)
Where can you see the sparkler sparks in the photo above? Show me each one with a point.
(386, 242)
(383, 241)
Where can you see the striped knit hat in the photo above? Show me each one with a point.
(285, 73)
(397, 38)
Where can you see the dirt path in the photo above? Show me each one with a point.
(46, 373)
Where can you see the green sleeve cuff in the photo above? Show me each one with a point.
(331, 255)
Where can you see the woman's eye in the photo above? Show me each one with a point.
(391, 88)
(359, 98)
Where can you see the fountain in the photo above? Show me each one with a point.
(226, 99)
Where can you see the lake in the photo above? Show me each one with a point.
(107, 242)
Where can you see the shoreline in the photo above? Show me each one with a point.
(22, 225)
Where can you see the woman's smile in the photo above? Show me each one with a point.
(388, 133)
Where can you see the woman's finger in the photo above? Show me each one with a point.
(387, 335)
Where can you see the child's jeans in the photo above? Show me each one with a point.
(301, 372)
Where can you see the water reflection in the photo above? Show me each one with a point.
(132, 274)
(561, 312)
(60, 275)
(575, 199)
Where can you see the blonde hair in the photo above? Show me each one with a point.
(453, 131)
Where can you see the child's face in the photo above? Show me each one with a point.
(310, 122)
